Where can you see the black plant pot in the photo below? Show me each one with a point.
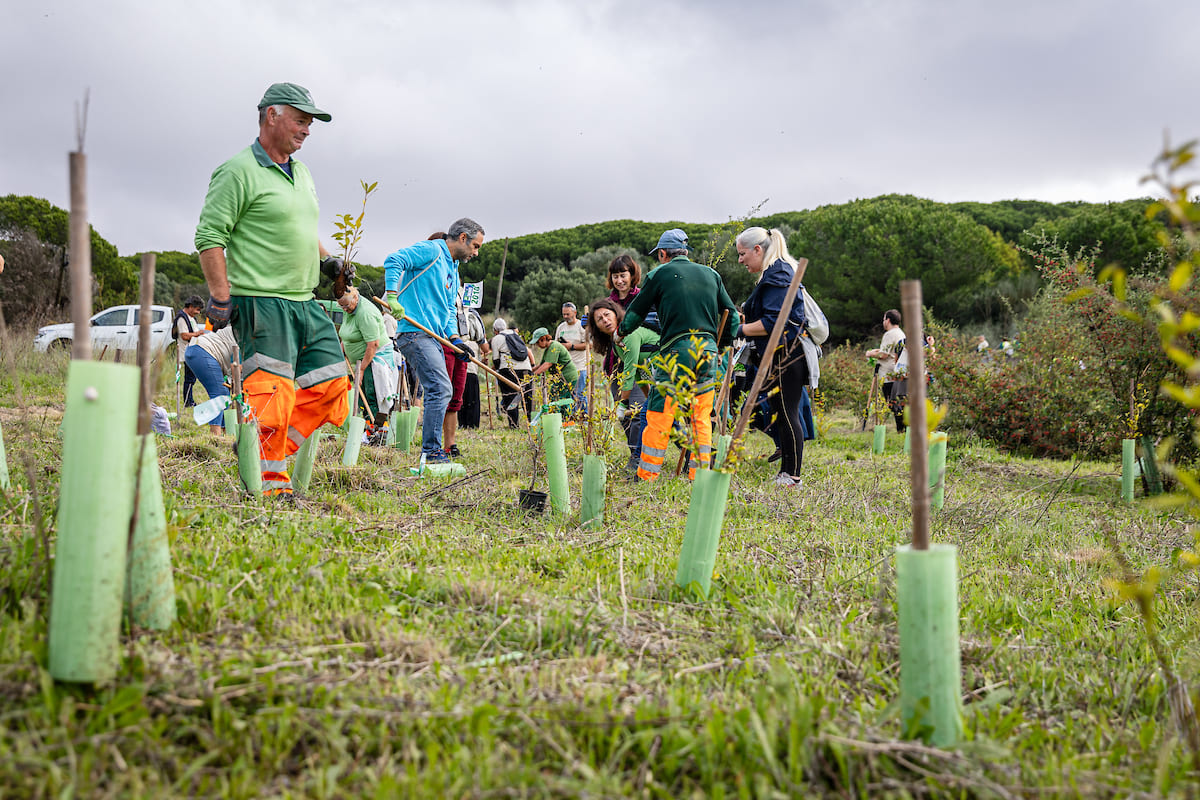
(531, 500)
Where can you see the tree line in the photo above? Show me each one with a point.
(967, 255)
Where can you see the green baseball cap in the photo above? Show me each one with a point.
(539, 333)
(294, 95)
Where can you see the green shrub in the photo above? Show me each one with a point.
(845, 377)
(1083, 376)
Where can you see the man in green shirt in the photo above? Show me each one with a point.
(261, 257)
(367, 345)
(690, 298)
(556, 359)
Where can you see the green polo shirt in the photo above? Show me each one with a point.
(689, 298)
(267, 224)
(363, 325)
(630, 352)
(557, 355)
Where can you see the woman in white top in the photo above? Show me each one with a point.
(209, 357)
(893, 361)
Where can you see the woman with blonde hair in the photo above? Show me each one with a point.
(764, 253)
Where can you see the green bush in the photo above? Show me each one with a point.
(845, 377)
(1083, 376)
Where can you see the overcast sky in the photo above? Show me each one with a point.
(532, 115)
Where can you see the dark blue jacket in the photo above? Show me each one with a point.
(766, 301)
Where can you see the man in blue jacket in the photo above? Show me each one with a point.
(422, 286)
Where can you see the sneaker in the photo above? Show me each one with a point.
(783, 479)
(455, 452)
(778, 454)
(438, 456)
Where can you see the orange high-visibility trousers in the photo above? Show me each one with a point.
(657, 434)
(287, 416)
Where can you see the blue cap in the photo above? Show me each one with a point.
(674, 239)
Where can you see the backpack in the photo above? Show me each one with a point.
(517, 350)
(818, 326)
(175, 326)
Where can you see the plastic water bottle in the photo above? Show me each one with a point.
(210, 409)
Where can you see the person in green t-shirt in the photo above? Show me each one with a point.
(367, 344)
(261, 256)
(557, 361)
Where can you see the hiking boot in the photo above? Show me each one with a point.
(455, 452)
(632, 465)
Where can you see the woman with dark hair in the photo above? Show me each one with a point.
(624, 275)
(631, 353)
(764, 253)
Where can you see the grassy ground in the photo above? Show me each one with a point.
(398, 637)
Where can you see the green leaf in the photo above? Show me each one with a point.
(1181, 276)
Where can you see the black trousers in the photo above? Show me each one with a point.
(468, 415)
(508, 394)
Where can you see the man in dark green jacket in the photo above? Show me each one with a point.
(690, 298)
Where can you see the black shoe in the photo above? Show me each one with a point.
(454, 451)
(778, 454)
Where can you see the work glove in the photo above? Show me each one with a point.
(462, 354)
(622, 412)
(394, 305)
(333, 267)
(218, 312)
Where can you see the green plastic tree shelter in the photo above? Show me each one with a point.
(723, 441)
(355, 426)
(1128, 450)
(556, 462)
(702, 535)
(4, 482)
(231, 423)
(937, 469)
(306, 457)
(149, 582)
(591, 505)
(249, 463)
(95, 505)
(926, 579)
(406, 426)
(877, 444)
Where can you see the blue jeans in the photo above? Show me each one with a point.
(208, 372)
(427, 359)
(580, 391)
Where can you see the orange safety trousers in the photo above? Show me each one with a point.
(287, 416)
(657, 434)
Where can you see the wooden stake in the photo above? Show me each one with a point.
(81, 259)
(235, 380)
(910, 307)
(147, 300)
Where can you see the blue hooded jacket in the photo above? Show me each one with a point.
(427, 279)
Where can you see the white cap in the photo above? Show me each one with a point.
(499, 324)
